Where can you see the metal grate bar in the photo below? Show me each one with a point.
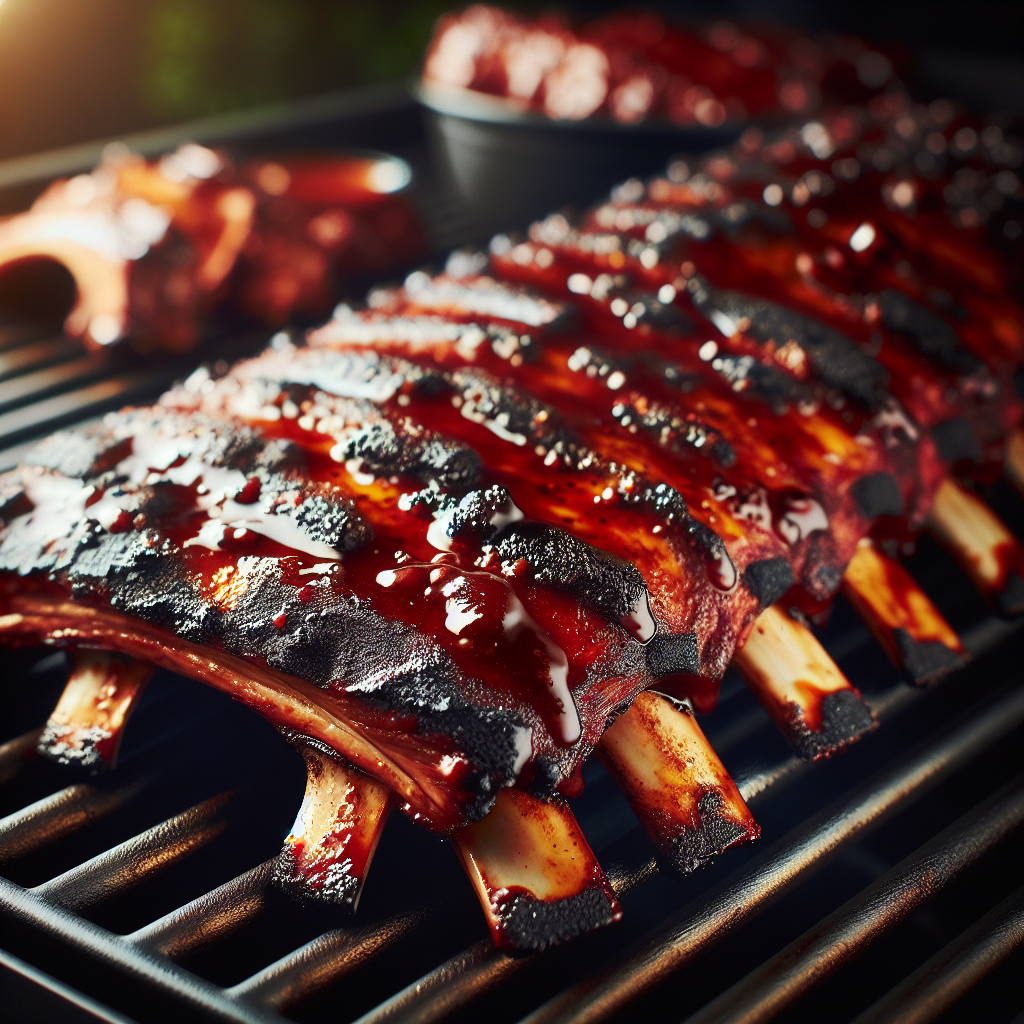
(798, 854)
(956, 968)
(843, 934)
(65, 992)
(14, 754)
(56, 815)
(98, 943)
(481, 967)
(21, 332)
(38, 353)
(127, 864)
(212, 916)
(330, 956)
(105, 394)
(53, 378)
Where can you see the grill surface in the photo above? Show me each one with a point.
(884, 887)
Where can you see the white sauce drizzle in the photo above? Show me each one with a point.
(803, 517)
(517, 619)
(639, 620)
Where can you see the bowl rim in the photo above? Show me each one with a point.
(473, 105)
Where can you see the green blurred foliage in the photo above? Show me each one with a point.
(206, 56)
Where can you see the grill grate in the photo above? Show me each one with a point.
(145, 895)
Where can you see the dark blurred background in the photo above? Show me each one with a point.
(74, 70)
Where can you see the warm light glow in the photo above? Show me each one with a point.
(388, 176)
(862, 237)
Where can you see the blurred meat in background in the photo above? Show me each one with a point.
(72, 70)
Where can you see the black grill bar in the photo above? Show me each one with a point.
(213, 916)
(111, 392)
(330, 956)
(58, 815)
(955, 969)
(805, 850)
(127, 864)
(96, 943)
(92, 1007)
(843, 934)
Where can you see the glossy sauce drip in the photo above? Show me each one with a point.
(491, 623)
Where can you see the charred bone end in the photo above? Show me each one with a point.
(801, 687)
(845, 717)
(530, 925)
(715, 832)
(1010, 601)
(926, 661)
(878, 494)
(768, 579)
(685, 800)
(327, 854)
(904, 620)
(536, 878)
(87, 726)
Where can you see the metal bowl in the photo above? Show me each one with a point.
(511, 165)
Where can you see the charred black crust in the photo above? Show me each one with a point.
(768, 579)
(669, 654)
(81, 453)
(835, 358)
(695, 847)
(845, 717)
(82, 752)
(595, 579)
(957, 440)
(335, 886)
(347, 645)
(928, 332)
(331, 642)
(926, 661)
(679, 432)
(1010, 601)
(529, 925)
(387, 450)
(878, 494)
(328, 521)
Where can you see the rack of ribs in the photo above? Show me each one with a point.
(519, 513)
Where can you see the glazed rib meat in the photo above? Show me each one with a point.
(320, 521)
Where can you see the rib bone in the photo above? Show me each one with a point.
(87, 726)
(534, 874)
(801, 687)
(981, 543)
(902, 617)
(328, 853)
(686, 801)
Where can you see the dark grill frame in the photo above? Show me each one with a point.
(964, 731)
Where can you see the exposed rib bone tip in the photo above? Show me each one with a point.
(536, 878)
(327, 855)
(987, 551)
(686, 801)
(87, 726)
(801, 687)
(902, 618)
